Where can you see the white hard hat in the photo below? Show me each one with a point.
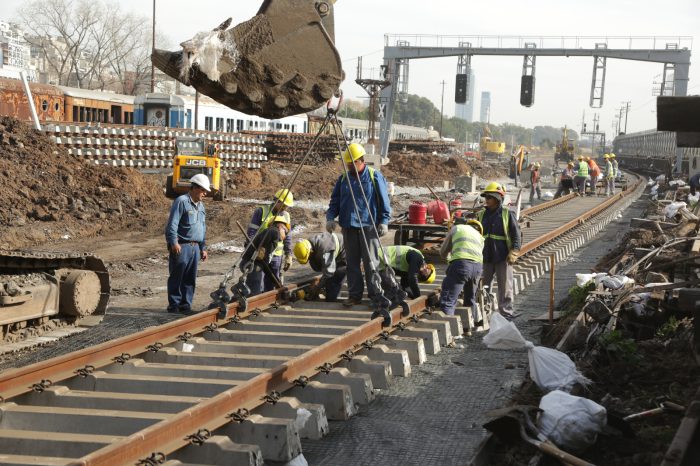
(202, 181)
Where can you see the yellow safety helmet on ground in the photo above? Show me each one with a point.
(281, 219)
(476, 224)
(353, 152)
(430, 278)
(285, 196)
(612, 156)
(302, 251)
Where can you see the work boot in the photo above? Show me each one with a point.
(350, 301)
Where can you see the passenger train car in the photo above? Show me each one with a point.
(654, 151)
(71, 105)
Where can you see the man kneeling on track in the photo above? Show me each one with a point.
(463, 249)
(261, 251)
(325, 253)
(409, 265)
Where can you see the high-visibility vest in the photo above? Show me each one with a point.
(396, 257)
(467, 244)
(506, 222)
(609, 171)
(582, 169)
(267, 218)
(615, 168)
(337, 245)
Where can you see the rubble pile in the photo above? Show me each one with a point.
(414, 169)
(47, 193)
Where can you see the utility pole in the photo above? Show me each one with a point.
(153, 48)
(373, 87)
(627, 110)
(442, 103)
(619, 120)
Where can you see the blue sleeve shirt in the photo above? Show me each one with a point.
(187, 222)
(341, 204)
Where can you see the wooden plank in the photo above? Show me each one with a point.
(651, 224)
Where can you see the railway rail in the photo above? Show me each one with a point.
(245, 385)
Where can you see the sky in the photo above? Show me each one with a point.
(562, 84)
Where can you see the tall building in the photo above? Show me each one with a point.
(485, 115)
(14, 51)
(466, 111)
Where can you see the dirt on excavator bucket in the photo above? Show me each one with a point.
(281, 62)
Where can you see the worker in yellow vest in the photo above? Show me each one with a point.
(281, 259)
(501, 245)
(409, 265)
(609, 176)
(463, 250)
(581, 176)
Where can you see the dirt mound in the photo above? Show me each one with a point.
(314, 182)
(415, 169)
(48, 194)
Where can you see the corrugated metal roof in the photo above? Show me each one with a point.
(97, 95)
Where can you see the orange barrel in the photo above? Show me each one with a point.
(417, 213)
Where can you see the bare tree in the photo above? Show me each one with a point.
(90, 43)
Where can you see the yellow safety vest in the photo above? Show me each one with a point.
(506, 222)
(467, 244)
(582, 169)
(396, 257)
(609, 172)
(267, 218)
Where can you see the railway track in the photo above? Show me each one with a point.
(244, 387)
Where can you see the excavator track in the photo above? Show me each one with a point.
(39, 287)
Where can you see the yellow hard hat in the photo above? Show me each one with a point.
(580, 157)
(476, 224)
(430, 278)
(353, 152)
(282, 219)
(537, 165)
(302, 251)
(612, 156)
(606, 156)
(285, 196)
(493, 188)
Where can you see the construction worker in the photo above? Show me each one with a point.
(262, 252)
(535, 183)
(409, 264)
(325, 253)
(616, 168)
(694, 183)
(501, 245)
(463, 249)
(609, 176)
(356, 219)
(566, 181)
(262, 218)
(184, 235)
(581, 176)
(594, 171)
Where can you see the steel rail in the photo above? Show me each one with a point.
(541, 240)
(18, 381)
(169, 435)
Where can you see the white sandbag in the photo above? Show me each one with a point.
(582, 279)
(679, 183)
(549, 369)
(616, 282)
(547, 195)
(672, 209)
(661, 178)
(571, 422)
(694, 198)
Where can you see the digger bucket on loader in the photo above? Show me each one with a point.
(281, 62)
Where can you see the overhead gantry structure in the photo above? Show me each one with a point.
(672, 52)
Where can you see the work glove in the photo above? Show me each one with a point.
(331, 226)
(382, 229)
(287, 262)
(512, 257)
(261, 254)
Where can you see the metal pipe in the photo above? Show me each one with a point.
(30, 100)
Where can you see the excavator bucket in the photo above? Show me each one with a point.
(281, 62)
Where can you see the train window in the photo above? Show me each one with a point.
(229, 125)
(56, 106)
(208, 123)
(286, 126)
(219, 124)
(239, 125)
(44, 105)
(294, 128)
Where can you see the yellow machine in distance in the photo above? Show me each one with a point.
(193, 155)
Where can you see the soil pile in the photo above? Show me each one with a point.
(313, 183)
(414, 169)
(48, 194)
